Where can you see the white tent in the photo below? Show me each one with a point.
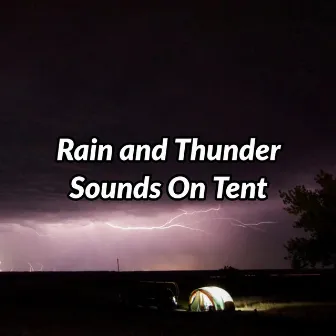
(206, 298)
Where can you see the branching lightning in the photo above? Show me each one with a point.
(162, 227)
(40, 234)
(236, 222)
(170, 223)
(31, 268)
(185, 220)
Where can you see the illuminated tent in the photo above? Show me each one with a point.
(206, 298)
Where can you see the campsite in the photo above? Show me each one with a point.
(87, 302)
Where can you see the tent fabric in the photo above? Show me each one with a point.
(206, 298)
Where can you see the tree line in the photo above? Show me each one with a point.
(315, 212)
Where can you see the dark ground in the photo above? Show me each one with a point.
(85, 304)
(178, 323)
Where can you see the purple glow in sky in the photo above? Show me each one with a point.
(136, 76)
(93, 239)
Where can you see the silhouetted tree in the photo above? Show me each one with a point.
(316, 213)
(229, 268)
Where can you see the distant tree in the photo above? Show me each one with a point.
(316, 213)
(229, 268)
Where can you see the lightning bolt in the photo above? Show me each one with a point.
(169, 224)
(31, 268)
(162, 227)
(236, 222)
(20, 227)
(40, 234)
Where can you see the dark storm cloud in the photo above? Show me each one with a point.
(135, 76)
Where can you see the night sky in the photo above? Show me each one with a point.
(134, 75)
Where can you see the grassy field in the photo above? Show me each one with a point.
(254, 318)
(315, 310)
(27, 307)
(181, 323)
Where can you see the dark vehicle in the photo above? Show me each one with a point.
(157, 295)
